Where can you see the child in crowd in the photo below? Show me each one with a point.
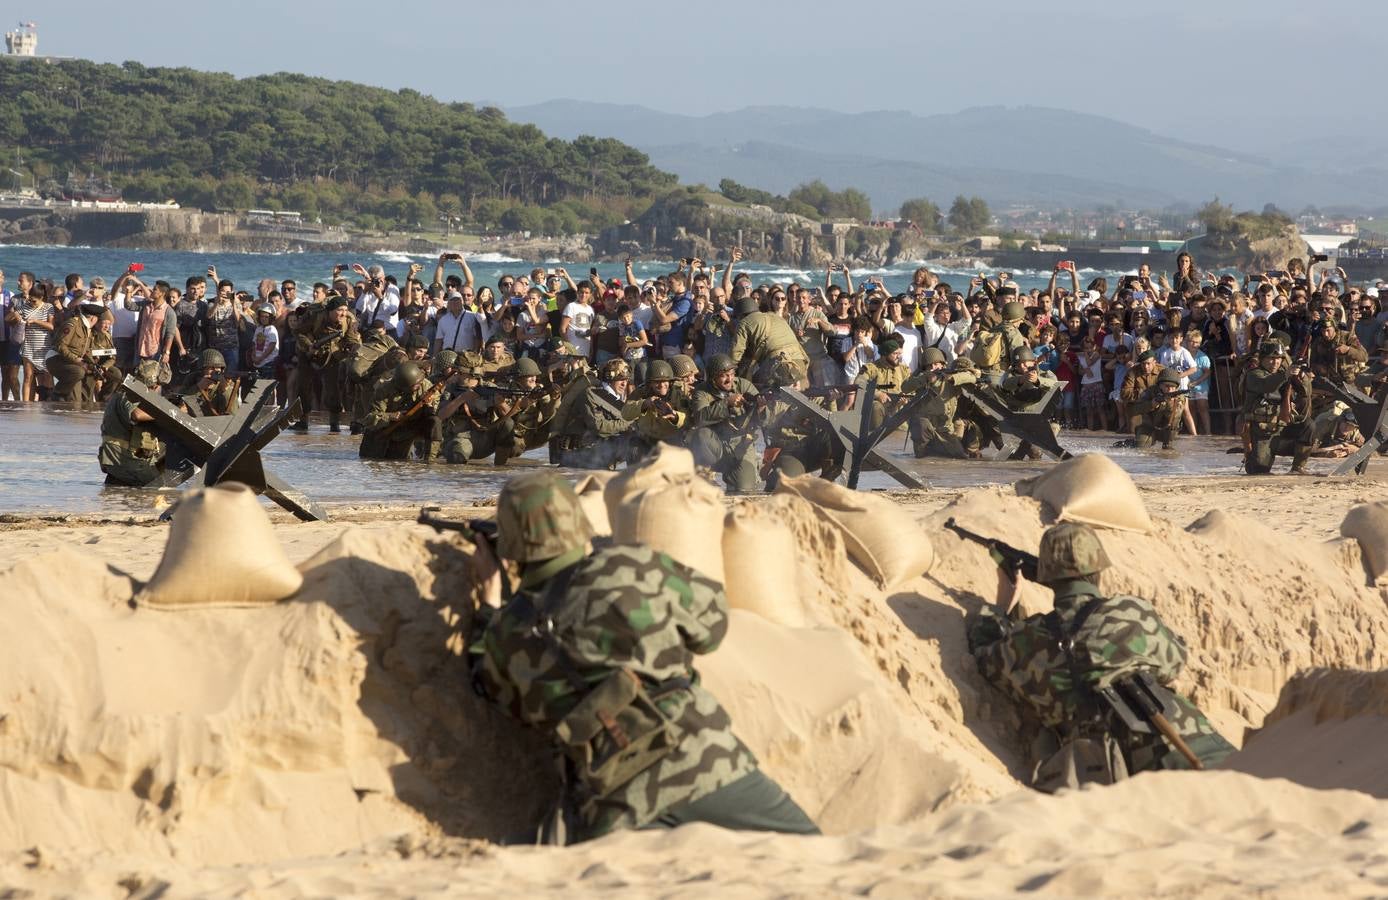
(1199, 405)
(1093, 399)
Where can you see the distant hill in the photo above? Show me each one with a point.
(1031, 155)
(343, 150)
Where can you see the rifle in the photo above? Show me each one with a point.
(1143, 705)
(413, 410)
(470, 528)
(1016, 564)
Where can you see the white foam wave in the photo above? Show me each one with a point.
(493, 258)
(389, 256)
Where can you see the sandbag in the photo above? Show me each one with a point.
(1367, 523)
(222, 551)
(683, 518)
(760, 567)
(590, 496)
(1092, 490)
(666, 464)
(882, 538)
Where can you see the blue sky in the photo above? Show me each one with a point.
(1233, 72)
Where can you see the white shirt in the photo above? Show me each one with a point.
(266, 353)
(910, 345)
(127, 320)
(1180, 360)
(579, 333)
(859, 356)
(387, 308)
(459, 333)
(951, 333)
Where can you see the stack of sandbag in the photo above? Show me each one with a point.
(663, 503)
(882, 538)
(1090, 490)
(761, 564)
(222, 551)
(1367, 523)
(591, 496)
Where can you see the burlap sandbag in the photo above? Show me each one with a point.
(882, 538)
(1367, 523)
(590, 496)
(683, 518)
(222, 551)
(759, 565)
(666, 464)
(1090, 489)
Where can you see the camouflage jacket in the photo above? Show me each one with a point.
(626, 606)
(1110, 637)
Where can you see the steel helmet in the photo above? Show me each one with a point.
(148, 372)
(1013, 311)
(525, 367)
(683, 365)
(932, 355)
(1069, 550)
(659, 370)
(1169, 376)
(408, 374)
(538, 517)
(212, 359)
(720, 362)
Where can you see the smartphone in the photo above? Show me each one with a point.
(1139, 295)
(1320, 257)
(1256, 278)
(1277, 274)
(928, 293)
(1066, 265)
(593, 272)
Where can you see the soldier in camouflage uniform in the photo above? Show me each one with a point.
(726, 415)
(1160, 409)
(1276, 412)
(1055, 663)
(596, 649)
(130, 452)
(937, 430)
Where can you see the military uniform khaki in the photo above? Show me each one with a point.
(391, 398)
(937, 430)
(1161, 412)
(763, 339)
(130, 453)
(221, 398)
(724, 435)
(996, 344)
(331, 348)
(1338, 358)
(1019, 392)
(1269, 436)
(658, 420)
(1134, 386)
(565, 428)
(596, 649)
(891, 380)
(470, 433)
(607, 437)
(1055, 663)
(103, 377)
(376, 356)
(72, 359)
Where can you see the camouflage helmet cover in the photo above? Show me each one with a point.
(785, 373)
(1070, 550)
(148, 372)
(447, 359)
(538, 517)
(614, 370)
(212, 359)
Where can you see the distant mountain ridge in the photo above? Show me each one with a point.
(1007, 155)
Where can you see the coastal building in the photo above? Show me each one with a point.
(23, 41)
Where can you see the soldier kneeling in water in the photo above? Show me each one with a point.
(596, 649)
(1070, 665)
(130, 452)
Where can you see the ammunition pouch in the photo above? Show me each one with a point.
(1080, 759)
(615, 733)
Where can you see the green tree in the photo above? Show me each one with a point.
(969, 215)
(1218, 218)
(924, 213)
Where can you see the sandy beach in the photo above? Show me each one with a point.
(329, 745)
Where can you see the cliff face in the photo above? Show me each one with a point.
(1240, 250)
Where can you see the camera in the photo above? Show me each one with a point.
(1067, 265)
